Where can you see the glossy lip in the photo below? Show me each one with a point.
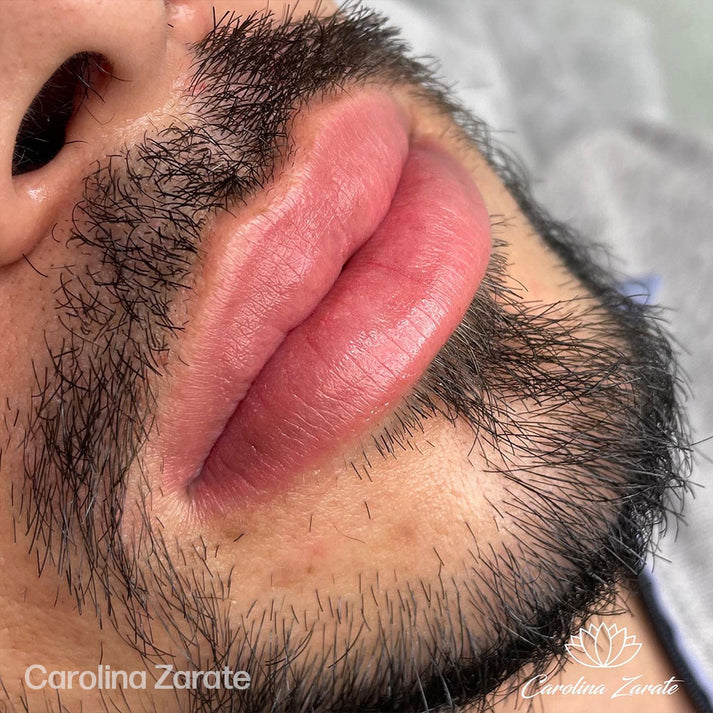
(320, 309)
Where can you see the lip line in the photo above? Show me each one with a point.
(263, 289)
(368, 341)
(413, 140)
(226, 243)
(199, 470)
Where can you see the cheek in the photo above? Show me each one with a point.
(28, 309)
(531, 263)
(31, 295)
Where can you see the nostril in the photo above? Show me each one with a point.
(42, 131)
(74, 47)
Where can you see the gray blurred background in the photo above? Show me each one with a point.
(610, 105)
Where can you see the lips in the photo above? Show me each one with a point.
(322, 304)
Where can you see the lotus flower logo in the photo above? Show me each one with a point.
(602, 646)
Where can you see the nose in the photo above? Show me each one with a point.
(36, 38)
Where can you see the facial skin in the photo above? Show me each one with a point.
(422, 560)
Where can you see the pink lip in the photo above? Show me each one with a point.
(316, 315)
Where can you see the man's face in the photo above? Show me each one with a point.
(297, 379)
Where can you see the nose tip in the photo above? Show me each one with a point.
(34, 42)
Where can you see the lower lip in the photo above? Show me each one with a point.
(323, 310)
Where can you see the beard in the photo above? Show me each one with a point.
(573, 407)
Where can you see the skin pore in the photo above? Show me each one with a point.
(435, 559)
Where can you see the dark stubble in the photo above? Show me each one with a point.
(578, 402)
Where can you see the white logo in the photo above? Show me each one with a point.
(602, 646)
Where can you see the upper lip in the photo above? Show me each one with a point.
(270, 266)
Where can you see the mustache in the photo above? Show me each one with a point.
(578, 402)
